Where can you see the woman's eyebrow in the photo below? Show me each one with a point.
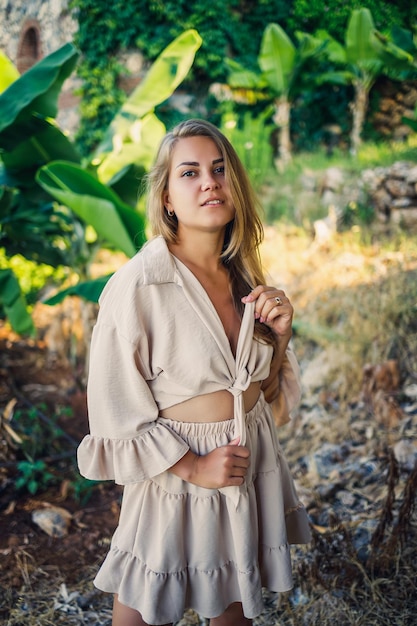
(196, 164)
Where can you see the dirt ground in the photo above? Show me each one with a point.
(29, 557)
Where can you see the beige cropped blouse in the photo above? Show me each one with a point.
(159, 341)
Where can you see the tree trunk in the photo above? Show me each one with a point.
(359, 108)
(282, 120)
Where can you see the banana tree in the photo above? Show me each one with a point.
(29, 223)
(41, 163)
(112, 176)
(134, 134)
(366, 55)
(282, 64)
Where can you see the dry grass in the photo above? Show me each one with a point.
(45, 600)
(356, 299)
(342, 588)
(355, 304)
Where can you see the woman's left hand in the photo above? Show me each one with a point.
(273, 308)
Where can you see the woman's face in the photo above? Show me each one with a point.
(197, 189)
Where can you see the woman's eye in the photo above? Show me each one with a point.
(219, 170)
(188, 173)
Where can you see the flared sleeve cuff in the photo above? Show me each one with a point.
(130, 460)
(290, 389)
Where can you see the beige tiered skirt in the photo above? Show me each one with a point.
(180, 546)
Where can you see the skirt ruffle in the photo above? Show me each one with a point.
(181, 546)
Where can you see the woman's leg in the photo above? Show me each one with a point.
(125, 616)
(233, 616)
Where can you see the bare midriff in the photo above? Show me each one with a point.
(211, 407)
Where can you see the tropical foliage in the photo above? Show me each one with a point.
(365, 56)
(288, 71)
(106, 30)
(333, 15)
(229, 29)
(59, 204)
(40, 165)
(282, 64)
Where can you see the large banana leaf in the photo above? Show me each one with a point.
(337, 78)
(14, 304)
(35, 93)
(117, 223)
(47, 143)
(335, 51)
(164, 76)
(8, 72)
(141, 140)
(242, 78)
(309, 45)
(35, 230)
(277, 58)
(395, 57)
(128, 184)
(404, 39)
(89, 290)
(166, 73)
(362, 46)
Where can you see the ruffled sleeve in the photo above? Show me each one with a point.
(290, 389)
(130, 460)
(127, 442)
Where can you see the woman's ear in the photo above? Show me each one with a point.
(166, 200)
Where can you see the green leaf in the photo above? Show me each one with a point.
(34, 93)
(89, 290)
(404, 39)
(164, 76)
(8, 72)
(334, 50)
(46, 143)
(138, 143)
(7, 199)
(394, 56)
(309, 46)
(337, 78)
(14, 304)
(128, 184)
(362, 46)
(412, 123)
(242, 78)
(96, 204)
(277, 58)
(32, 486)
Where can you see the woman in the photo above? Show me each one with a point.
(189, 355)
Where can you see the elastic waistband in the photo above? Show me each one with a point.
(202, 429)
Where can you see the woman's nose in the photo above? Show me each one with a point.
(209, 182)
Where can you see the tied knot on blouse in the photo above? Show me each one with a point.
(241, 382)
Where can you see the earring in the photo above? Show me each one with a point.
(170, 213)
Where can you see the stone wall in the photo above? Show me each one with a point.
(395, 100)
(393, 192)
(32, 29)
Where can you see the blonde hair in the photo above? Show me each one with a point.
(243, 235)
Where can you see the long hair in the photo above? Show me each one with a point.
(243, 234)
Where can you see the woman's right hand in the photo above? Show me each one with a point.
(222, 467)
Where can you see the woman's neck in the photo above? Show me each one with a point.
(200, 252)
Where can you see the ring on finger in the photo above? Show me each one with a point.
(278, 301)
